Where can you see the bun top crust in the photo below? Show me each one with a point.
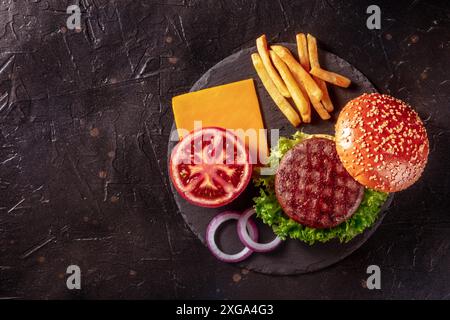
(381, 142)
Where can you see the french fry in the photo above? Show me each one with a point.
(302, 49)
(312, 51)
(318, 106)
(276, 96)
(331, 77)
(263, 50)
(299, 73)
(299, 99)
(326, 100)
(314, 60)
(305, 94)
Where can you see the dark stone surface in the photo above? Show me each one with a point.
(294, 257)
(84, 124)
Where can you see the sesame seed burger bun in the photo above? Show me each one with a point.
(382, 142)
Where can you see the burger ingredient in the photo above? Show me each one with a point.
(269, 210)
(382, 142)
(312, 186)
(247, 240)
(233, 106)
(214, 225)
(210, 167)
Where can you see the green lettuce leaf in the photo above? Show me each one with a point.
(268, 209)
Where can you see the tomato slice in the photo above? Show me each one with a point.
(210, 167)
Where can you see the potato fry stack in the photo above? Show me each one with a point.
(303, 80)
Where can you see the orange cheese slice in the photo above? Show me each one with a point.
(231, 106)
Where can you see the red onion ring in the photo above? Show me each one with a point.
(247, 240)
(252, 233)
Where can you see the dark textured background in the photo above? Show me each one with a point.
(84, 124)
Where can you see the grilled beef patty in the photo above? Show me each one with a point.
(312, 186)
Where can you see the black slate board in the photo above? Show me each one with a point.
(293, 256)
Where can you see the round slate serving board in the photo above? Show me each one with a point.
(293, 256)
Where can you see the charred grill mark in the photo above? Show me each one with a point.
(313, 187)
